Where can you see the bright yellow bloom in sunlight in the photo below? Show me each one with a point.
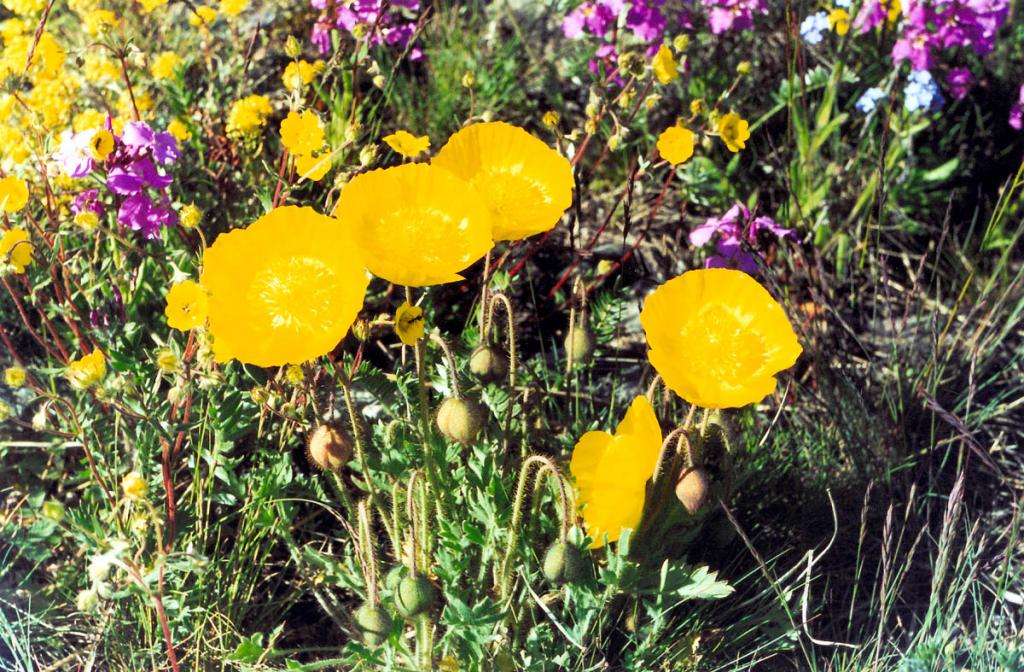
(302, 133)
(149, 5)
(190, 216)
(11, 28)
(417, 224)
(551, 118)
(98, 69)
(133, 486)
(233, 7)
(611, 472)
(409, 323)
(664, 65)
(248, 115)
(15, 249)
(202, 17)
(102, 144)
(717, 337)
(164, 64)
(88, 119)
(734, 131)
(14, 376)
(284, 290)
(187, 305)
(675, 144)
(22, 7)
(87, 220)
(299, 73)
(526, 184)
(87, 371)
(98, 21)
(407, 144)
(839, 21)
(312, 167)
(13, 193)
(179, 130)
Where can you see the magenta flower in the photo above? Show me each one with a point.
(1017, 111)
(732, 230)
(960, 82)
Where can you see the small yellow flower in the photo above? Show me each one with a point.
(248, 115)
(302, 133)
(285, 289)
(312, 167)
(416, 224)
(87, 220)
(186, 305)
(166, 360)
(299, 73)
(190, 216)
(407, 144)
(22, 7)
(409, 323)
(233, 7)
(717, 337)
(88, 370)
(839, 21)
(734, 131)
(696, 106)
(294, 375)
(13, 193)
(665, 66)
(133, 486)
(179, 130)
(15, 249)
(526, 185)
(675, 144)
(202, 17)
(14, 376)
(102, 144)
(551, 118)
(150, 5)
(99, 20)
(611, 472)
(164, 65)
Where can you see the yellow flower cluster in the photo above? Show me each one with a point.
(300, 73)
(248, 115)
(303, 135)
(164, 65)
(88, 370)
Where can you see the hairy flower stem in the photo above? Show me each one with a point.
(366, 546)
(453, 373)
(439, 494)
(357, 442)
(496, 298)
(503, 579)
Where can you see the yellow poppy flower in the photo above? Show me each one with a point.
(717, 337)
(611, 472)
(409, 323)
(675, 144)
(839, 21)
(302, 133)
(734, 131)
(526, 184)
(13, 193)
(417, 224)
(187, 305)
(87, 371)
(312, 167)
(284, 290)
(102, 144)
(202, 17)
(407, 144)
(664, 64)
(15, 249)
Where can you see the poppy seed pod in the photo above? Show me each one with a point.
(488, 364)
(415, 595)
(563, 563)
(581, 344)
(459, 420)
(329, 447)
(374, 624)
(692, 488)
(395, 576)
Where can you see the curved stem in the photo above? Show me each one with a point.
(425, 424)
(453, 373)
(410, 513)
(370, 557)
(499, 297)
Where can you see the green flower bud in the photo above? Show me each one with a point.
(415, 595)
(292, 48)
(53, 510)
(374, 624)
(459, 420)
(563, 563)
(395, 576)
(488, 364)
(581, 344)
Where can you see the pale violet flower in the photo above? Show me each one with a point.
(869, 100)
(814, 27)
(922, 92)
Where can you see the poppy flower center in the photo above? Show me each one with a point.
(721, 344)
(295, 293)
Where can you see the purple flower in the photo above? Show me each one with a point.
(1017, 111)
(87, 200)
(139, 213)
(733, 229)
(75, 153)
(591, 17)
(139, 137)
(960, 81)
(733, 15)
(136, 176)
(645, 19)
(375, 21)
